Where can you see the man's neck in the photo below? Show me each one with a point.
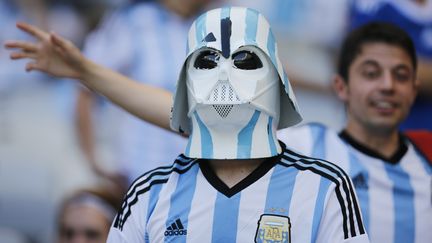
(231, 172)
(385, 143)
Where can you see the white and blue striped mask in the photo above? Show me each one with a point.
(226, 30)
(230, 88)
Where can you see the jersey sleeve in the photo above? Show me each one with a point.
(342, 220)
(130, 222)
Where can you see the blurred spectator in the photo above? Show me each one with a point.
(415, 17)
(128, 42)
(39, 160)
(87, 214)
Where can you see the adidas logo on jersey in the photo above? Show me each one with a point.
(175, 229)
(360, 182)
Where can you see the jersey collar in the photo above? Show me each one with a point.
(394, 159)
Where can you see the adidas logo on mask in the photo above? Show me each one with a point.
(175, 229)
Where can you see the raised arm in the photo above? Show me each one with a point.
(57, 56)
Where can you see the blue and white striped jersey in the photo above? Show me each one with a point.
(288, 198)
(395, 194)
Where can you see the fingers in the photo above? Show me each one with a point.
(33, 66)
(32, 30)
(21, 55)
(23, 45)
(59, 41)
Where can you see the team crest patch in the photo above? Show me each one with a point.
(273, 229)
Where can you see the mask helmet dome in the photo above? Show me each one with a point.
(226, 30)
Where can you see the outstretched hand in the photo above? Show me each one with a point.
(51, 53)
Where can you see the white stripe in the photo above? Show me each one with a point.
(204, 193)
(302, 204)
(248, 195)
(224, 144)
(298, 139)
(378, 179)
(214, 26)
(195, 140)
(279, 67)
(160, 213)
(345, 194)
(334, 143)
(238, 19)
(262, 33)
(192, 38)
(131, 197)
(421, 183)
(259, 138)
(138, 213)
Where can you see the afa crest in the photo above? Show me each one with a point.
(273, 229)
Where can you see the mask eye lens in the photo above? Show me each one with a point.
(206, 60)
(246, 60)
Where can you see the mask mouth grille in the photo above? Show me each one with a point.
(223, 110)
(223, 92)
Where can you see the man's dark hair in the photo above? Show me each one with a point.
(374, 32)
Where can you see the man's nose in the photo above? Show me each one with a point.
(388, 81)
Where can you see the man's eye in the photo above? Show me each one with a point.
(246, 60)
(206, 60)
(402, 75)
(371, 74)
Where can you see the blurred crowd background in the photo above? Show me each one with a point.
(57, 137)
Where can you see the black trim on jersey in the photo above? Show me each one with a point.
(346, 185)
(394, 159)
(132, 192)
(120, 222)
(157, 171)
(220, 186)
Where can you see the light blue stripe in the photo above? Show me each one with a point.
(251, 26)
(244, 138)
(181, 200)
(319, 207)
(153, 198)
(403, 199)
(271, 47)
(282, 180)
(271, 140)
(225, 12)
(187, 150)
(356, 169)
(206, 139)
(225, 218)
(318, 138)
(200, 30)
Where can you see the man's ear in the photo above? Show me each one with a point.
(340, 87)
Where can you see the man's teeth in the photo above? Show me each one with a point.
(384, 104)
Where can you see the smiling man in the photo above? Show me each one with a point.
(377, 82)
